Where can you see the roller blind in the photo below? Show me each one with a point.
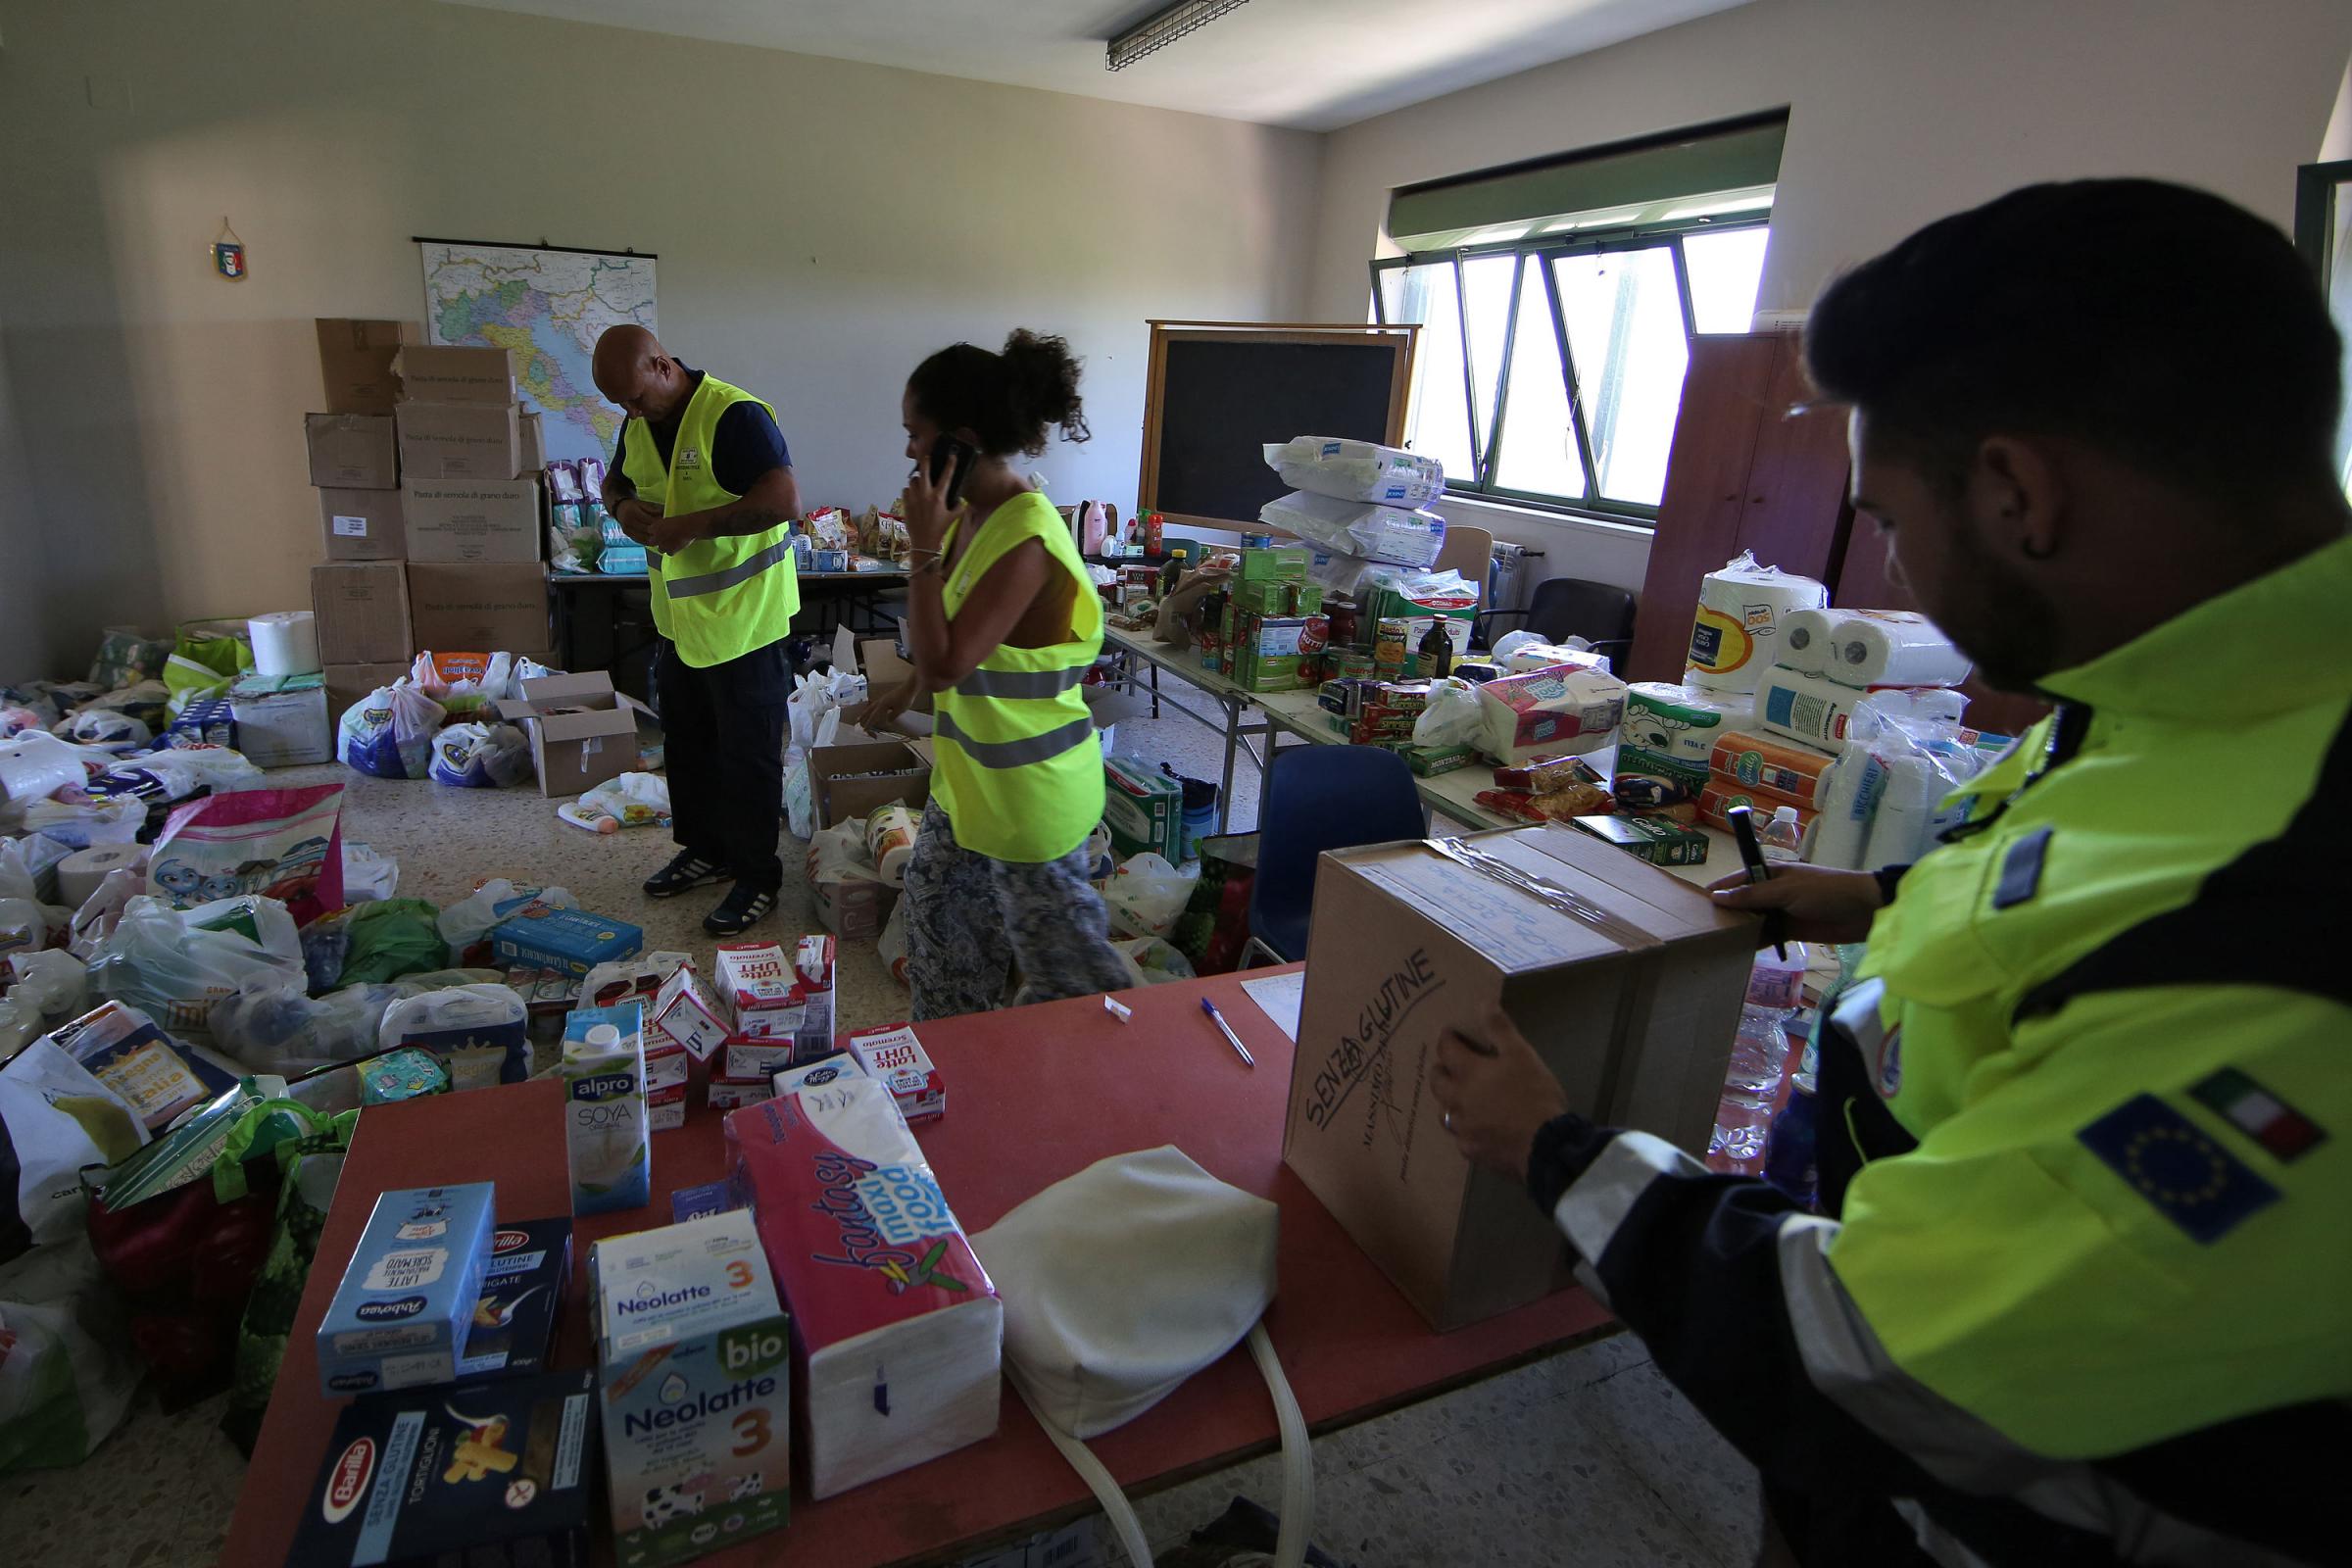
(1631, 184)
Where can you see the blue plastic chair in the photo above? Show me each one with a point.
(1321, 798)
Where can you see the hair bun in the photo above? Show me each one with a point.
(1042, 378)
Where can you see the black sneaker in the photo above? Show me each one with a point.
(743, 907)
(687, 872)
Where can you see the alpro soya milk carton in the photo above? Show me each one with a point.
(604, 1118)
(695, 1356)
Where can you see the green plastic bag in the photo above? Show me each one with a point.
(390, 937)
(311, 1164)
(206, 660)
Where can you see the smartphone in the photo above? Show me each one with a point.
(951, 460)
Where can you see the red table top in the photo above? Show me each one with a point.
(1034, 1095)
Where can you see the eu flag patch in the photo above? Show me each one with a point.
(2173, 1163)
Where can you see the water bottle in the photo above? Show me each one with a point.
(1781, 839)
(1751, 1083)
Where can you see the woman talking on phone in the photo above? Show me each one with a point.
(1003, 625)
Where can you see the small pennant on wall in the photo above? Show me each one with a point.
(228, 254)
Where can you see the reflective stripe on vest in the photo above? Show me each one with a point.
(1031, 683)
(712, 582)
(1016, 753)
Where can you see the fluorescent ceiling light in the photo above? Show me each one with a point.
(1747, 202)
(1159, 30)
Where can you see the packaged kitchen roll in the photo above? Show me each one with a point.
(1892, 648)
(79, 873)
(1680, 722)
(1806, 707)
(285, 642)
(890, 833)
(1850, 803)
(1736, 636)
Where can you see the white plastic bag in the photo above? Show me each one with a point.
(175, 964)
(470, 919)
(185, 772)
(892, 943)
(1152, 960)
(1147, 895)
(1453, 716)
(270, 1024)
(799, 802)
(818, 693)
(389, 732)
(367, 874)
(95, 921)
(481, 1033)
(69, 1376)
(481, 757)
(34, 765)
(54, 984)
(1375, 531)
(59, 1117)
(627, 799)
(1358, 471)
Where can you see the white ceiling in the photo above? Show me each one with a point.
(1315, 65)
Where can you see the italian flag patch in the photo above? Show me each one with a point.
(2261, 1115)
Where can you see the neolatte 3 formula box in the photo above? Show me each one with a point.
(695, 1354)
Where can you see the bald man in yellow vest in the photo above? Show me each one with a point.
(703, 479)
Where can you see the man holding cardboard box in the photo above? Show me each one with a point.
(2082, 1294)
(703, 480)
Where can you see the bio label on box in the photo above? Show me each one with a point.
(696, 1365)
(401, 1316)
(605, 1119)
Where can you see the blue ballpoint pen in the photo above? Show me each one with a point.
(1226, 1029)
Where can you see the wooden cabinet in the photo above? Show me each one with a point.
(1752, 468)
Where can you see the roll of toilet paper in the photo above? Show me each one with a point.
(1806, 707)
(1806, 639)
(285, 642)
(79, 873)
(1892, 648)
(1736, 635)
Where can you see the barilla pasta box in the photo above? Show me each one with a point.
(605, 1116)
(493, 1475)
(572, 940)
(696, 1357)
(895, 1058)
(522, 1287)
(687, 1013)
(405, 1307)
(895, 1328)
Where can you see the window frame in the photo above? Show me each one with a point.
(1543, 253)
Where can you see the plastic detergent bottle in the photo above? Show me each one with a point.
(1781, 839)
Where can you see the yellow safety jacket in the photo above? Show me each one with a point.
(1017, 767)
(717, 599)
(2083, 1292)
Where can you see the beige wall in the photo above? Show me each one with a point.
(821, 225)
(1899, 111)
(23, 571)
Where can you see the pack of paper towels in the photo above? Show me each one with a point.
(1871, 648)
(1737, 633)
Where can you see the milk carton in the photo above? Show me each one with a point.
(812, 1077)
(695, 1356)
(898, 1059)
(401, 1316)
(605, 1116)
(762, 985)
(686, 1012)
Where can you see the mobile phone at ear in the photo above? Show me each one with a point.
(951, 460)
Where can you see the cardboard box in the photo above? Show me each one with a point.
(347, 684)
(403, 1309)
(362, 524)
(571, 941)
(534, 445)
(1659, 840)
(1633, 1001)
(281, 719)
(352, 451)
(472, 520)
(431, 373)
(1143, 808)
(362, 612)
(355, 362)
(582, 731)
(496, 1474)
(850, 779)
(444, 441)
(489, 608)
(884, 668)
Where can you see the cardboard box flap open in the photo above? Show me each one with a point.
(570, 708)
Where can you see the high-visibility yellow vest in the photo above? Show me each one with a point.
(1016, 764)
(717, 599)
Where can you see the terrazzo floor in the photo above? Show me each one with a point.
(1588, 1456)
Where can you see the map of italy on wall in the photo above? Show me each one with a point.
(547, 307)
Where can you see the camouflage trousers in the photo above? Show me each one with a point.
(970, 920)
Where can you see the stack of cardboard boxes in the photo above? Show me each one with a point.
(429, 501)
